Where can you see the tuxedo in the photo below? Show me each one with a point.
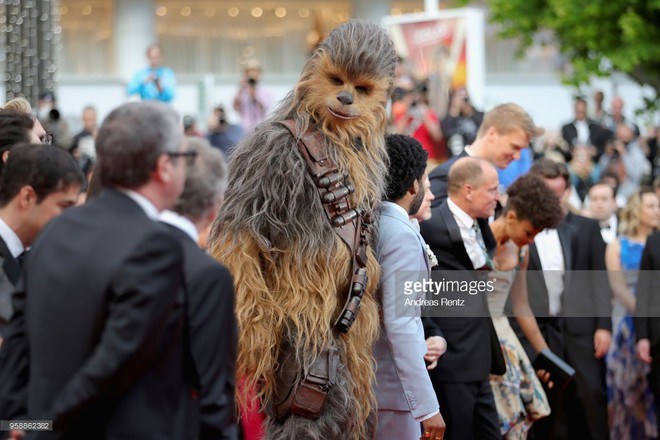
(438, 179)
(647, 309)
(212, 332)
(403, 389)
(13, 360)
(10, 273)
(473, 352)
(598, 136)
(102, 317)
(588, 307)
(585, 307)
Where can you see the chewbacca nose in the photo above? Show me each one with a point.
(345, 98)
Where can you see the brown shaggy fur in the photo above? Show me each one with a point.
(291, 271)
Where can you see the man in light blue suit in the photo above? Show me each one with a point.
(404, 391)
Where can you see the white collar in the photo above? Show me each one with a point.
(468, 151)
(460, 215)
(144, 203)
(180, 222)
(14, 244)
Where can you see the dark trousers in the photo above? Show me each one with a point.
(468, 409)
(654, 377)
(580, 411)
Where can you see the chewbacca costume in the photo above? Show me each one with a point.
(291, 270)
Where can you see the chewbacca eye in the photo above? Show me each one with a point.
(336, 81)
(362, 89)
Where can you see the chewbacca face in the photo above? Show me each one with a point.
(346, 83)
(341, 99)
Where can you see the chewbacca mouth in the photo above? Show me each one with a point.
(341, 115)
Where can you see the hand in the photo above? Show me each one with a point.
(544, 376)
(436, 346)
(434, 428)
(602, 341)
(644, 351)
(16, 435)
(150, 78)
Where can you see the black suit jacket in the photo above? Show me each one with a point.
(9, 275)
(102, 304)
(598, 136)
(537, 294)
(438, 179)
(588, 302)
(473, 350)
(647, 309)
(213, 338)
(13, 359)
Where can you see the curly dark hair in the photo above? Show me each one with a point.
(531, 199)
(407, 164)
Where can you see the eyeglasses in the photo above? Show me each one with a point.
(190, 155)
(47, 139)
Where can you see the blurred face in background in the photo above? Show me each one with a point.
(89, 120)
(601, 201)
(649, 214)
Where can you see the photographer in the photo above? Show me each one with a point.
(252, 102)
(222, 134)
(416, 119)
(155, 81)
(462, 122)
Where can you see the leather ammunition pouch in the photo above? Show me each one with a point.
(304, 393)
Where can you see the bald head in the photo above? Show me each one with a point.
(472, 184)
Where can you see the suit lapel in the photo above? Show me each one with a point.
(565, 236)
(9, 264)
(455, 235)
(390, 211)
(534, 259)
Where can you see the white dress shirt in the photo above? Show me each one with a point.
(553, 265)
(180, 222)
(609, 232)
(146, 205)
(469, 236)
(14, 244)
(582, 128)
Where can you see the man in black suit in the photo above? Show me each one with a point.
(584, 131)
(506, 130)
(39, 181)
(211, 325)
(647, 312)
(102, 302)
(460, 378)
(573, 312)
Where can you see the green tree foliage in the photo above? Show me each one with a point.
(599, 37)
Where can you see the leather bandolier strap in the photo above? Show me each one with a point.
(349, 223)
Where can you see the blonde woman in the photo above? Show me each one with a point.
(632, 410)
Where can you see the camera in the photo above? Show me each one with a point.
(252, 82)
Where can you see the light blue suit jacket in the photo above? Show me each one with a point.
(402, 381)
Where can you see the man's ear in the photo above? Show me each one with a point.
(26, 197)
(414, 188)
(164, 168)
(5, 156)
(467, 191)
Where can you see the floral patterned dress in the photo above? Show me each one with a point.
(519, 396)
(630, 399)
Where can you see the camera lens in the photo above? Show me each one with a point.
(252, 81)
